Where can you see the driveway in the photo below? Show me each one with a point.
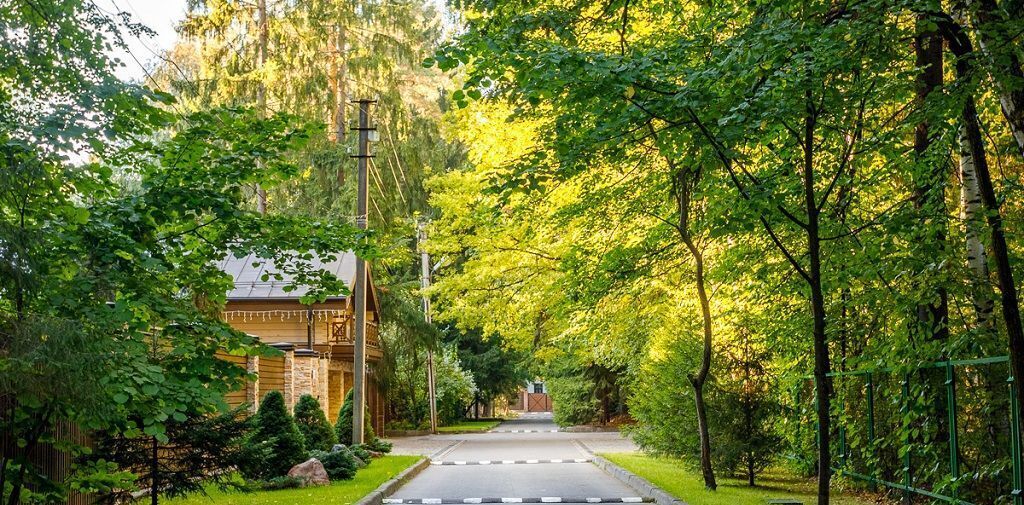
(526, 460)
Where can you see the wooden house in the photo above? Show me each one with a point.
(317, 340)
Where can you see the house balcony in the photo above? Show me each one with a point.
(340, 341)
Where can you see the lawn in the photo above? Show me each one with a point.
(677, 479)
(469, 426)
(351, 491)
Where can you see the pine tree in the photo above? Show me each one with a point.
(312, 423)
(275, 427)
(343, 427)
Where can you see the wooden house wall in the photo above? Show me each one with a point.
(272, 329)
(271, 372)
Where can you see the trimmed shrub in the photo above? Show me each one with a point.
(360, 452)
(379, 445)
(284, 482)
(275, 427)
(340, 464)
(343, 427)
(312, 423)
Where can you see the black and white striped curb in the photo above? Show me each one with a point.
(543, 499)
(510, 462)
(523, 431)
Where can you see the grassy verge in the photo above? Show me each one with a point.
(469, 426)
(344, 492)
(677, 479)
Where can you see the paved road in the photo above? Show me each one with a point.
(523, 459)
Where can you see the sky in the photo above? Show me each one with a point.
(159, 15)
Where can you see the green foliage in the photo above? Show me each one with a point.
(573, 399)
(202, 450)
(312, 423)
(497, 369)
(343, 426)
(281, 482)
(274, 426)
(340, 464)
(361, 453)
(379, 445)
(455, 386)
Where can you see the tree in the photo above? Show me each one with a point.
(312, 423)
(201, 450)
(274, 426)
(344, 423)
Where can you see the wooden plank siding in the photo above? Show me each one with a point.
(238, 396)
(271, 373)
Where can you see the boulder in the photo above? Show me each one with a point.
(338, 447)
(311, 472)
(375, 454)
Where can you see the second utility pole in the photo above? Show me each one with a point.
(424, 284)
(359, 367)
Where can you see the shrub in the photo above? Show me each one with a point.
(379, 445)
(274, 426)
(360, 452)
(281, 482)
(340, 464)
(573, 398)
(343, 427)
(312, 423)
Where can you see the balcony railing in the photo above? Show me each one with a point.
(343, 332)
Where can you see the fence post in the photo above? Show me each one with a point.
(954, 449)
(871, 431)
(1015, 455)
(905, 409)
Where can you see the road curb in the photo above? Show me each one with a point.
(376, 497)
(644, 486)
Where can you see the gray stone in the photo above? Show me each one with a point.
(311, 472)
(338, 447)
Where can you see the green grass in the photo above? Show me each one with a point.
(343, 492)
(469, 426)
(676, 478)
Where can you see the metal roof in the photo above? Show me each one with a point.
(248, 273)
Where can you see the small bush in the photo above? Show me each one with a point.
(340, 464)
(361, 452)
(379, 445)
(275, 427)
(312, 423)
(283, 482)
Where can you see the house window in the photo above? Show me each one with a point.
(538, 387)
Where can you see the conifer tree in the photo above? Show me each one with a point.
(312, 423)
(276, 427)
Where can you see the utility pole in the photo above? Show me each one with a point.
(359, 381)
(424, 284)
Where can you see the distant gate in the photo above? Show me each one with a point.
(538, 402)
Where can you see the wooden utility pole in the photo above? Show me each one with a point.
(424, 284)
(359, 380)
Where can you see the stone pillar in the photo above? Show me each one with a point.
(305, 370)
(323, 385)
(252, 387)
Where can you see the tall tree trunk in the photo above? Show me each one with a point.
(340, 81)
(261, 87)
(960, 45)
(972, 213)
(989, 21)
(929, 191)
(700, 378)
(822, 366)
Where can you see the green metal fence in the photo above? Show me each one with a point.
(871, 474)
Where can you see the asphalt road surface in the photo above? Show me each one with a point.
(525, 460)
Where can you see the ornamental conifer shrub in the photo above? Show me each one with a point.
(340, 464)
(275, 427)
(343, 427)
(312, 423)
